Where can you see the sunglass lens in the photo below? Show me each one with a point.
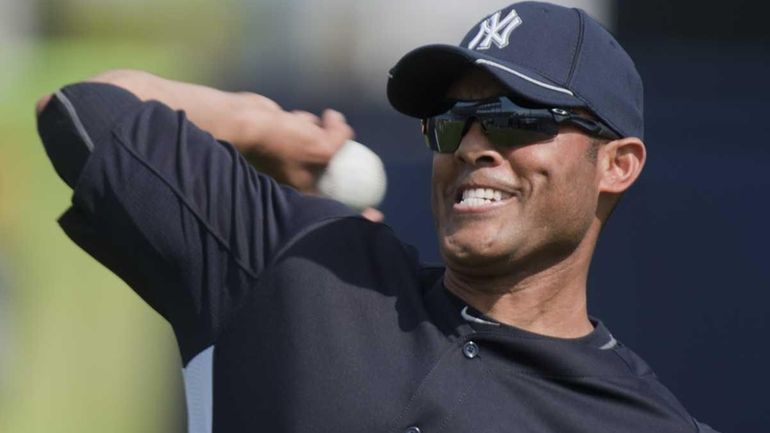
(508, 137)
(447, 134)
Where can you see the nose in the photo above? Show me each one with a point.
(476, 149)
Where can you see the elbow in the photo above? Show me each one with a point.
(42, 103)
(131, 80)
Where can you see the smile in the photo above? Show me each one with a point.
(475, 198)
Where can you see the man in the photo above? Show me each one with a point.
(294, 315)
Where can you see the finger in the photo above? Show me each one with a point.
(306, 115)
(326, 139)
(307, 142)
(336, 127)
(373, 215)
(333, 120)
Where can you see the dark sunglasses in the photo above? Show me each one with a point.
(505, 123)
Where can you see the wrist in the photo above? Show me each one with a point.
(250, 122)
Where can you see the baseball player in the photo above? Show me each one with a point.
(294, 315)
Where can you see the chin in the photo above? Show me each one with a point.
(460, 252)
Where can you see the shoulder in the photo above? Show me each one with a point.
(646, 382)
(343, 239)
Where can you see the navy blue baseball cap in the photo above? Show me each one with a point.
(543, 53)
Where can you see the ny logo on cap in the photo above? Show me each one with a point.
(494, 30)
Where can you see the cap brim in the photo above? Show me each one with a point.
(419, 82)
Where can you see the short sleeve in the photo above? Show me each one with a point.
(181, 217)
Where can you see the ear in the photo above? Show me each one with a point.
(620, 163)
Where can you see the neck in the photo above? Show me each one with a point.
(550, 301)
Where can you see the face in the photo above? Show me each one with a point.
(506, 209)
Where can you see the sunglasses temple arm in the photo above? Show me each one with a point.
(592, 126)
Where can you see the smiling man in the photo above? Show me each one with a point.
(294, 315)
(518, 214)
(526, 174)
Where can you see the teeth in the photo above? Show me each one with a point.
(481, 196)
(473, 202)
(484, 193)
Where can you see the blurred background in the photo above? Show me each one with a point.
(681, 273)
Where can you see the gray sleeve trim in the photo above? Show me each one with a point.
(76, 120)
(703, 428)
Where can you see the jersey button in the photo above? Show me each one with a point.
(470, 350)
(412, 429)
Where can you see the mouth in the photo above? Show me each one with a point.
(477, 198)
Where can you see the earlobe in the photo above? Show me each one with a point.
(622, 163)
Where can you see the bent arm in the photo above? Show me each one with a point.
(181, 217)
(291, 147)
(242, 118)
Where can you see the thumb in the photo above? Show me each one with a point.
(336, 127)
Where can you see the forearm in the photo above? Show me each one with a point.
(291, 146)
(238, 118)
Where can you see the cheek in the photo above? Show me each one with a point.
(535, 168)
(561, 164)
(561, 181)
(444, 170)
(441, 177)
(575, 194)
(442, 164)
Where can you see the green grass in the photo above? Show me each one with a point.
(87, 355)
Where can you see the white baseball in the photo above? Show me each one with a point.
(355, 176)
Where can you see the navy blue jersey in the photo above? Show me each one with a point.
(293, 315)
